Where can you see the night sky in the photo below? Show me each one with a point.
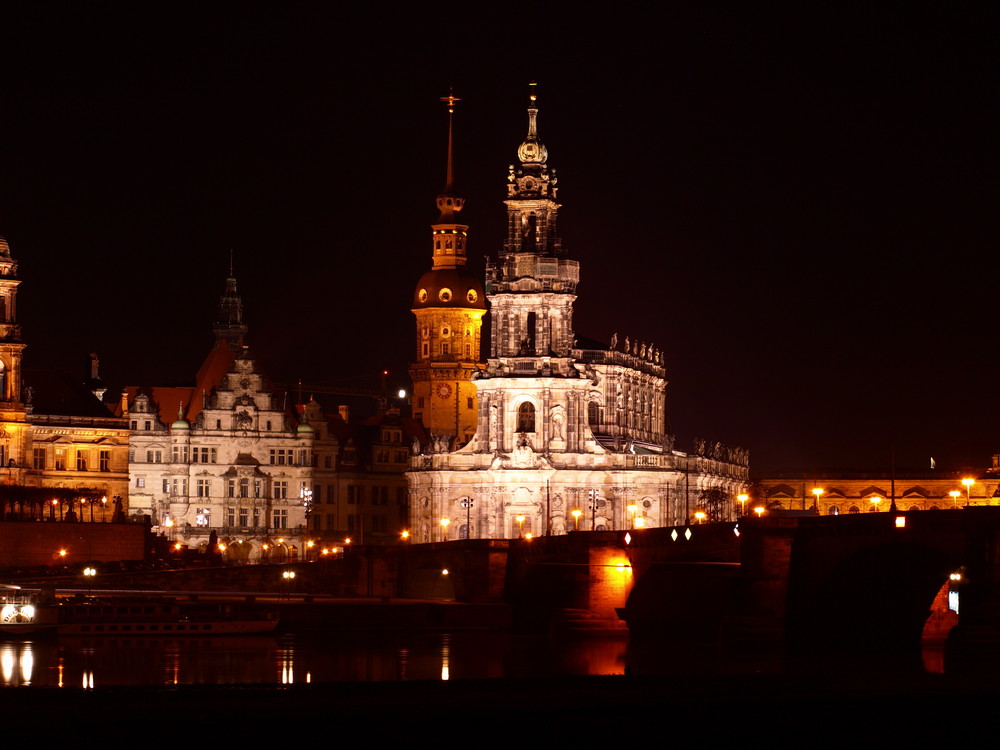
(797, 205)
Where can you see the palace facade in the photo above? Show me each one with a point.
(227, 454)
(569, 433)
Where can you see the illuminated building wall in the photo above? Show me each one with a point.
(54, 433)
(867, 492)
(227, 454)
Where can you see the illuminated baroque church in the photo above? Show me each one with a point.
(568, 433)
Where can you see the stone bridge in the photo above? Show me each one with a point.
(863, 581)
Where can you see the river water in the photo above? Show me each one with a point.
(303, 658)
(300, 659)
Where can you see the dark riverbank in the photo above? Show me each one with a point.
(724, 711)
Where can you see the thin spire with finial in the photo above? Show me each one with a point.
(450, 100)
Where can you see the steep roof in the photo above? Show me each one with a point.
(57, 394)
(169, 398)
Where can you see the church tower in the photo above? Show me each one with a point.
(532, 288)
(531, 393)
(449, 306)
(13, 416)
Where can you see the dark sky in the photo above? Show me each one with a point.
(797, 204)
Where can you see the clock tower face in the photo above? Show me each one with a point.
(443, 390)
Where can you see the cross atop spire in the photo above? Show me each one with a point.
(447, 202)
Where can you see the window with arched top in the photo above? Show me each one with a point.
(593, 414)
(526, 417)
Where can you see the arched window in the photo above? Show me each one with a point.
(526, 417)
(593, 414)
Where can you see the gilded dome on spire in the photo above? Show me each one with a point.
(532, 150)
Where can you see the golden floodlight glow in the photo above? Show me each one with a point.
(759, 510)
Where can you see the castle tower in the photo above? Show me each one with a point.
(13, 413)
(449, 306)
(229, 325)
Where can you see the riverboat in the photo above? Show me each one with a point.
(27, 613)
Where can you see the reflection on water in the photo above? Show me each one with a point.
(300, 658)
(360, 657)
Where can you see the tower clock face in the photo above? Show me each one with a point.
(443, 390)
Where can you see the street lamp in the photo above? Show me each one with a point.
(444, 529)
(817, 491)
(520, 526)
(466, 503)
(955, 494)
(742, 499)
(632, 509)
(700, 516)
(875, 500)
(576, 513)
(968, 482)
(759, 510)
(288, 576)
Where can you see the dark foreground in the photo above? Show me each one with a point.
(724, 711)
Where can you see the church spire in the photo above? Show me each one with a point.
(229, 326)
(449, 236)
